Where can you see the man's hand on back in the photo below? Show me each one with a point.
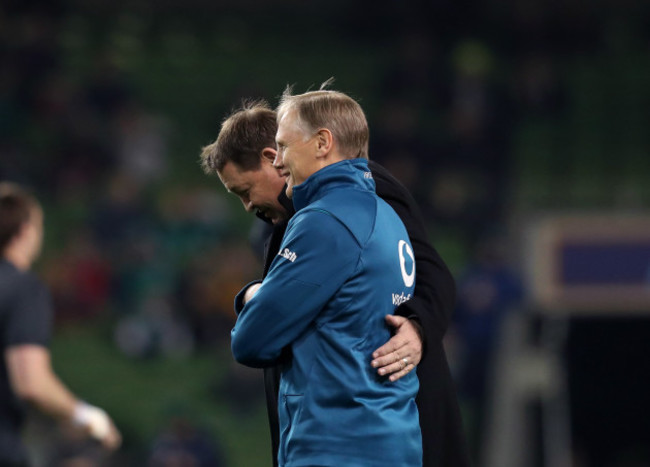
(402, 352)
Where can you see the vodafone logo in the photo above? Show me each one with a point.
(404, 247)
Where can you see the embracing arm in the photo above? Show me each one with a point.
(429, 310)
(435, 289)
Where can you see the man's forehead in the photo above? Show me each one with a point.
(231, 175)
(286, 119)
(237, 179)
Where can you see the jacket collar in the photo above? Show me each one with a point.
(285, 202)
(350, 172)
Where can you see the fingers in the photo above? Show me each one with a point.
(400, 374)
(113, 439)
(392, 363)
(406, 342)
(402, 353)
(383, 353)
(395, 343)
(97, 424)
(395, 320)
(412, 341)
(393, 366)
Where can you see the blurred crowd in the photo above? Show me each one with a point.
(460, 86)
(119, 240)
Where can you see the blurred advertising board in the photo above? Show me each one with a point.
(596, 263)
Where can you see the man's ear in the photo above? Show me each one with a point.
(325, 141)
(268, 154)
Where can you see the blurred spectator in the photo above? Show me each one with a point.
(120, 215)
(107, 89)
(192, 219)
(141, 139)
(487, 290)
(79, 278)
(207, 287)
(241, 388)
(73, 450)
(79, 83)
(34, 52)
(123, 229)
(398, 144)
(538, 88)
(154, 330)
(183, 444)
(469, 185)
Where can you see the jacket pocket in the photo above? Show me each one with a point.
(292, 406)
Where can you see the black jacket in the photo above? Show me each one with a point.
(443, 441)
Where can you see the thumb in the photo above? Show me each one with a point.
(395, 321)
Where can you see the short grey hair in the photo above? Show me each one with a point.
(333, 110)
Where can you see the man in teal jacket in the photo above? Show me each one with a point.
(345, 262)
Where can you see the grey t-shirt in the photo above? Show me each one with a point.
(25, 318)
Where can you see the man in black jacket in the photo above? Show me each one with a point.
(242, 156)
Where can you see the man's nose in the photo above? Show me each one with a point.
(277, 162)
(248, 205)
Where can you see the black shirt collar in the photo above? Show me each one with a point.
(285, 202)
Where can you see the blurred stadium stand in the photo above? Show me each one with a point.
(490, 112)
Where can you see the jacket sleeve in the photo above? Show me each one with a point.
(316, 256)
(435, 290)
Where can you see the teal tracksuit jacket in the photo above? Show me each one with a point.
(345, 262)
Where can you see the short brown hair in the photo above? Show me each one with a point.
(243, 136)
(333, 110)
(16, 209)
